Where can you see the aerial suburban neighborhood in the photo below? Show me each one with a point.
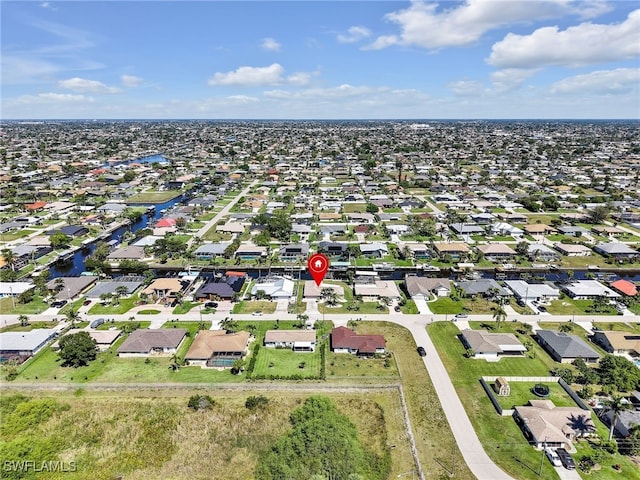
(479, 318)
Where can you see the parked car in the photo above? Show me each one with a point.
(462, 315)
(257, 314)
(86, 302)
(542, 308)
(211, 305)
(397, 308)
(58, 303)
(97, 322)
(566, 459)
(553, 457)
(422, 352)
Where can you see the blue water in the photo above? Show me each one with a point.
(75, 267)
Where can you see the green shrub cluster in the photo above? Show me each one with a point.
(322, 444)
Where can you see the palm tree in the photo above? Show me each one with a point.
(616, 405)
(9, 258)
(24, 320)
(229, 324)
(302, 319)
(499, 315)
(73, 316)
(352, 324)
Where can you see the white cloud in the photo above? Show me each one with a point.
(510, 78)
(250, 76)
(53, 98)
(422, 25)
(242, 98)
(603, 82)
(82, 85)
(270, 44)
(261, 76)
(466, 87)
(354, 34)
(131, 80)
(583, 44)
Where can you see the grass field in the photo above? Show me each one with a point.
(154, 435)
(11, 306)
(569, 306)
(250, 306)
(123, 306)
(351, 366)
(287, 363)
(500, 436)
(153, 197)
(16, 327)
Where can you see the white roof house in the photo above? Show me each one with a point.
(532, 291)
(584, 289)
(274, 287)
(25, 343)
(13, 289)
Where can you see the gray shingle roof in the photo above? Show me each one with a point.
(567, 346)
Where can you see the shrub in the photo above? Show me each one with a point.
(256, 401)
(201, 402)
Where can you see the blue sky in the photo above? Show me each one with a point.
(322, 59)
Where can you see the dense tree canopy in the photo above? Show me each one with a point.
(619, 372)
(322, 444)
(77, 350)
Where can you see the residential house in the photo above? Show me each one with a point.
(296, 340)
(423, 287)
(333, 248)
(496, 251)
(538, 252)
(587, 289)
(505, 229)
(417, 250)
(565, 348)
(130, 252)
(293, 252)
(455, 250)
(573, 249)
(145, 342)
(15, 289)
(312, 291)
(22, 345)
(625, 287)
(218, 349)
(626, 420)
(492, 346)
(374, 250)
(345, 340)
(572, 231)
(104, 338)
(274, 287)
(66, 288)
(530, 292)
(484, 287)
(372, 292)
(467, 229)
(165, 288)
(616, 250)
(539, 229)
(546, 425)
(209, 251)
(248, 251)
(215, 291)
(617, 342)
(70, 230)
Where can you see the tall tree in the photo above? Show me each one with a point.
(616, 405)
(77, 350)
(499, 315)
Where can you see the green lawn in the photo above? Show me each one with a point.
(250, 306)
(16, 327)
(11, 306)
(287, 363)
(619, 326)
(185, 307)
(346, 365)
(569, 306)
(120, 325)
(123, 306)
(409, 308)
(521, 394)
(10, 237)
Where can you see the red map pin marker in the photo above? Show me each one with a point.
(318, 265)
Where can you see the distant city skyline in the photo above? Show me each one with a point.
(320, 60)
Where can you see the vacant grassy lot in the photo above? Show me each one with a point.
(568, 306)
(123, 306)
(153, 197)
(344, 365)
(501, 437)
(250, 306)
(16, 327)
(287, 363)
(11, 306)
(154, 435)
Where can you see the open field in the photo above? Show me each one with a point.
(16, 327)
(250, 306)
(287, 363)
(521, 394)
(501, 437)
(154, 435)
(11, 306)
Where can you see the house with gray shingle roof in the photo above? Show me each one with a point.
(565, 348)
(492, 346)
(142, 343)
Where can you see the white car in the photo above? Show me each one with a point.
(553, 457)
(257, 314)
